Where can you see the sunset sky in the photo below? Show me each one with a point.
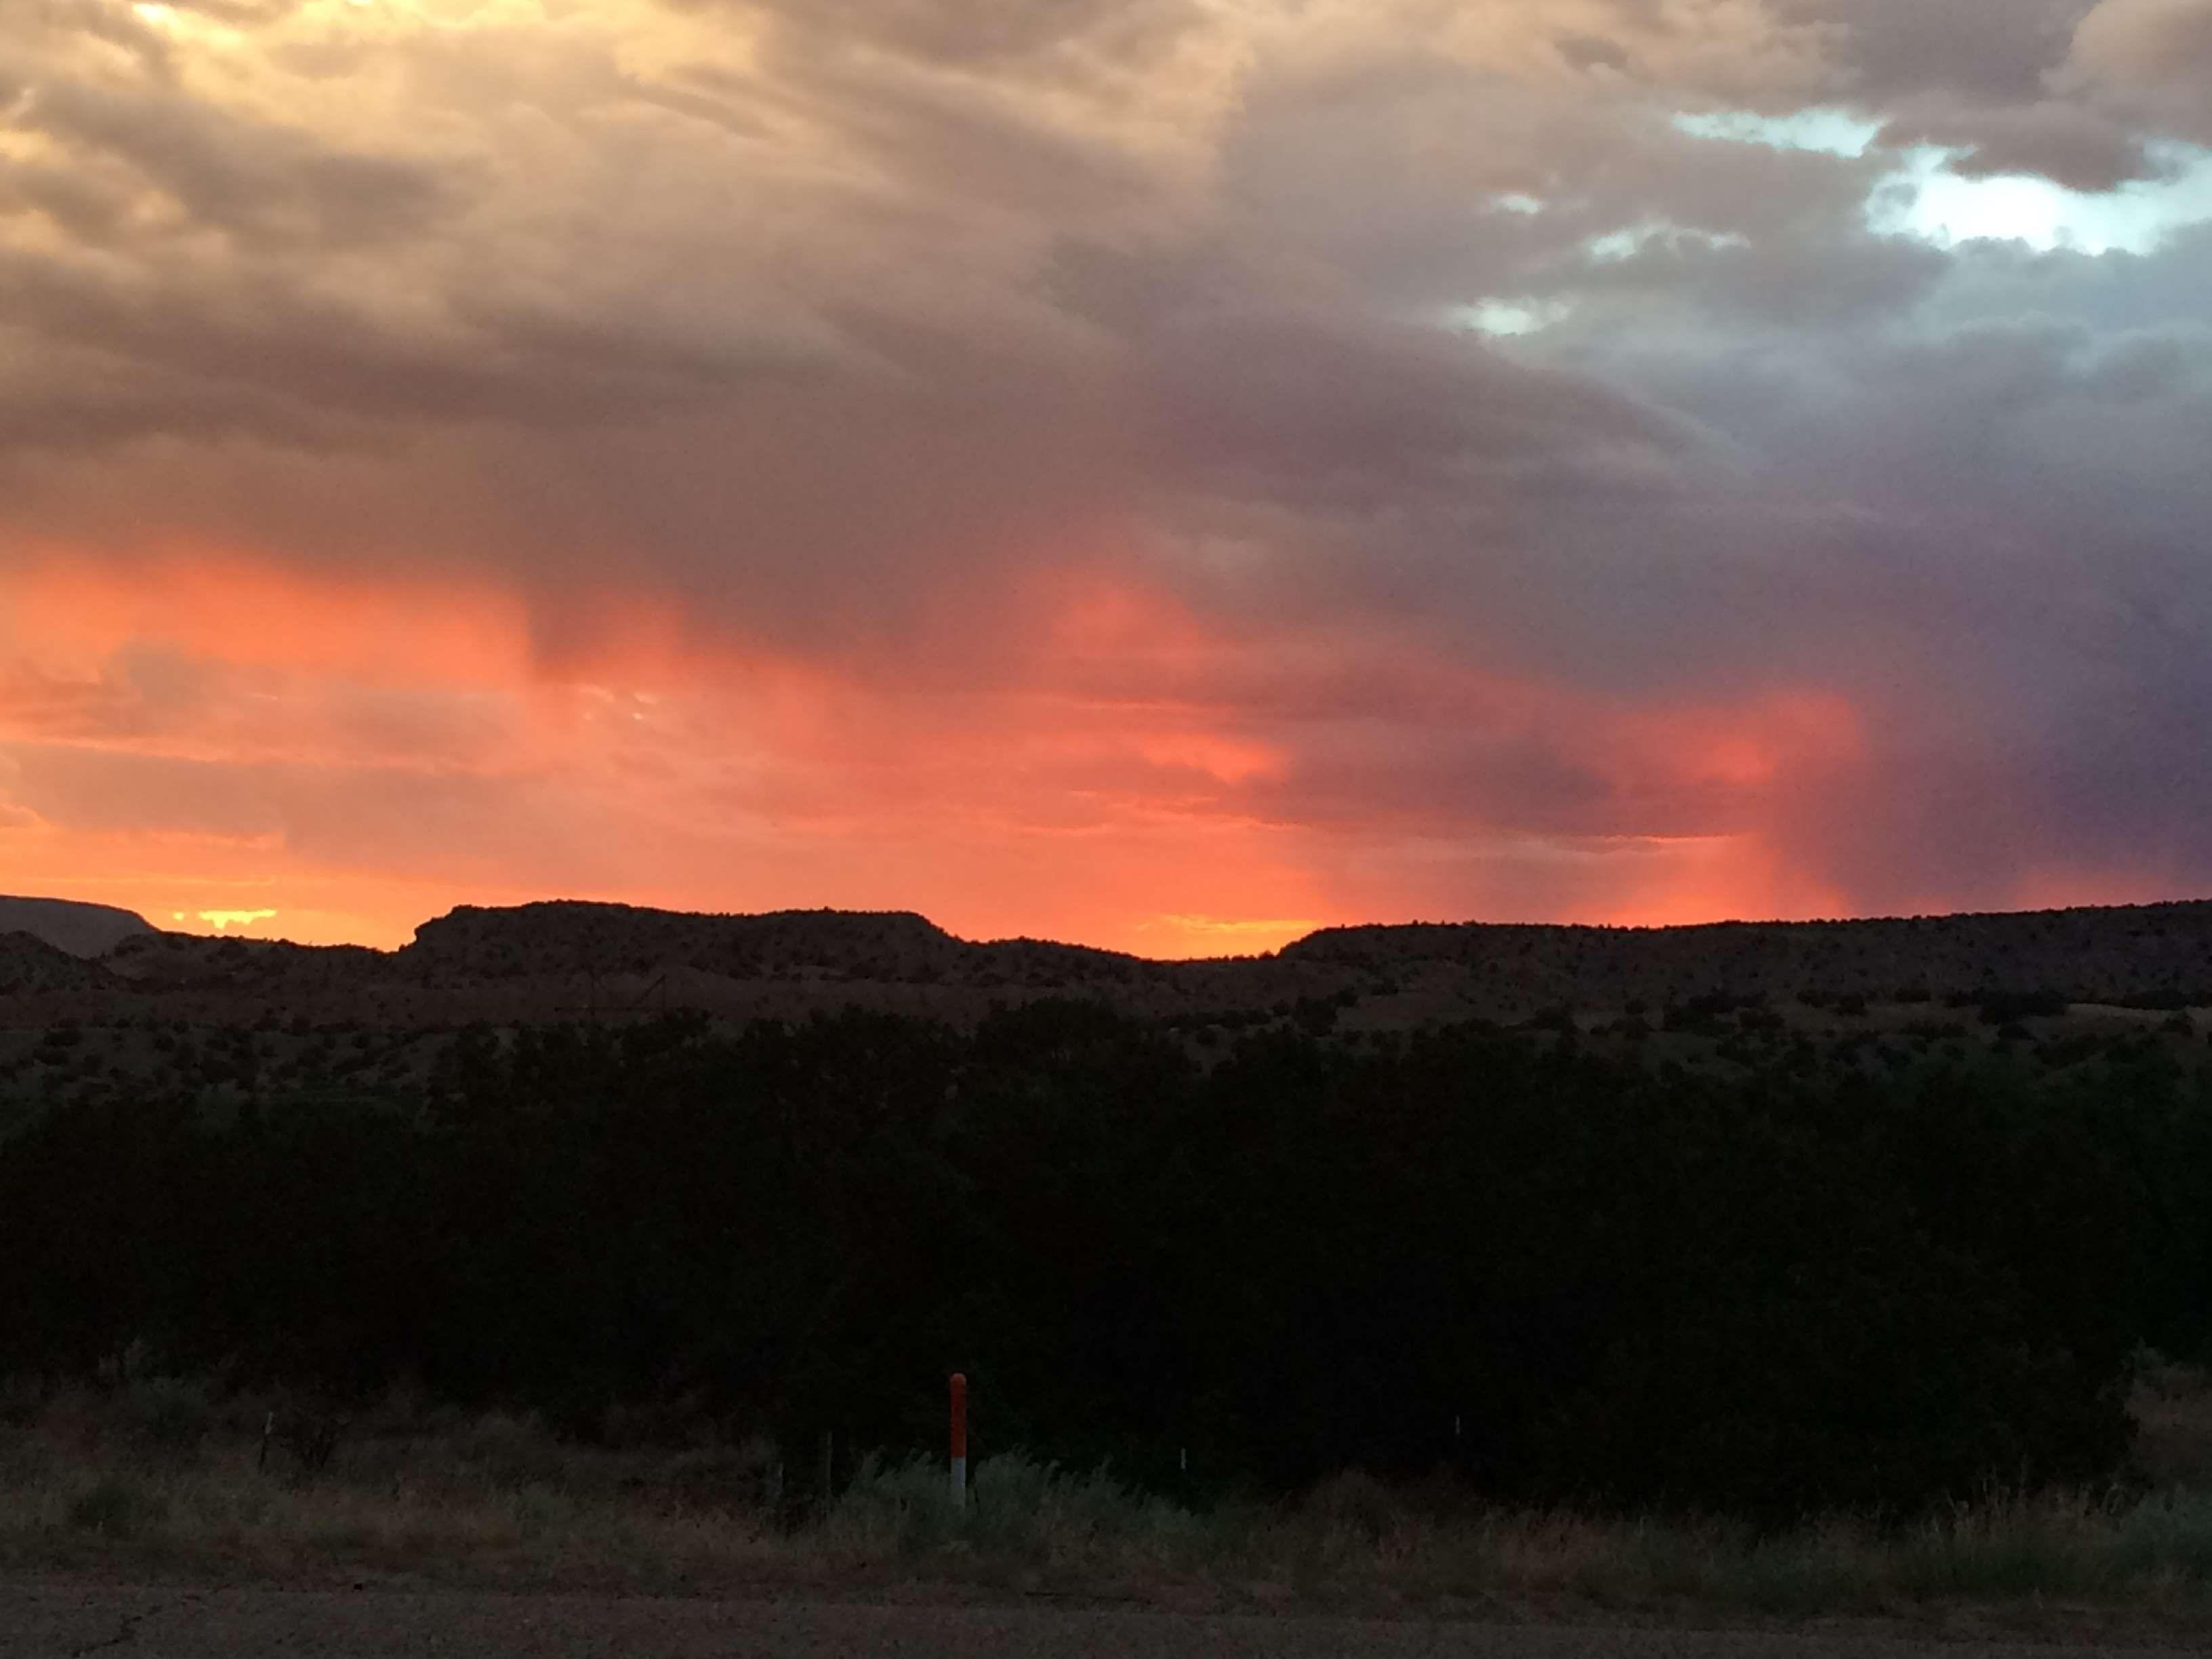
(1167, 474)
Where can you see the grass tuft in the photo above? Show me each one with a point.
(116, 1506)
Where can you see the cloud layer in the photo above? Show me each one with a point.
(1164, 472)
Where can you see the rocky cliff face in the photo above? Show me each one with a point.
(83, 930)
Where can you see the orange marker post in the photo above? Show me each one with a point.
(959, 1441)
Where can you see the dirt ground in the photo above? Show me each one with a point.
(66, 1620)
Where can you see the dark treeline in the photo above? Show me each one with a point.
(1570, 1278)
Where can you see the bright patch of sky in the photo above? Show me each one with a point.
(1628, 241)
(1835, 131)
(1616, 245)
(1509, 317)
(1923, 197)
(220, 920)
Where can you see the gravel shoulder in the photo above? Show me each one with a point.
(60, 1620)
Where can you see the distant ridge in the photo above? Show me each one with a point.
(2111, 953)
(568, 936)
(561, 958)
(83, 930)
(1499, 969)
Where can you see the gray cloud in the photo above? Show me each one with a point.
(252, 181)
(956, 141)
(280, 357)
(2069, 144)
(2156, 56)
(103, 21)
(1992, 51)
(241, 14)
(983, 34)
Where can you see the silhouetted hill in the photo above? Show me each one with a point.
(563, 958)
(28, 963)
(2159, 951)
(83, 930)
(893, 947)
(570, 936)
(2090, 954)
(158, 962)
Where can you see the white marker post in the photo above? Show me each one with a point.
(959, 1441)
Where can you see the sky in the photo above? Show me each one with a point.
(1165, 474)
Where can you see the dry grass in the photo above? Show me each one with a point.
(154, 1477)
(157, 1478)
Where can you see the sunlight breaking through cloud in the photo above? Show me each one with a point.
(1925, 198)
(224, 920)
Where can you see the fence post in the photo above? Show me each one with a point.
(959, 1441)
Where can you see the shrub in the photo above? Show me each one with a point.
(1354, 1505)
(2010, 1007)
(167, 1415)
(116, 1506)
(2169, 1532)
(510, 1451)
(1017, 1503)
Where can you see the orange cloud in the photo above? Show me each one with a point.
(251, 611)
(355, 755)
(338, 757)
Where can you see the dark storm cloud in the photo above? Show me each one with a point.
(241, 13)
(2009, 574)
(1800, 275)
(1992, 51)
(1300, 410)
(979, 33)
(2071, 90)
(86, 403)
(270, 357)
(253, 181)
(2069, 144)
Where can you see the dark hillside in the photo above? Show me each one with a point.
(2146, 955)
(564, 959)
(271, 967)
(890, 947)
(29, 964)
(2108, 955)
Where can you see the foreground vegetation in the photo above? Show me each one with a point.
(167, 1479)
(1809, 1287)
